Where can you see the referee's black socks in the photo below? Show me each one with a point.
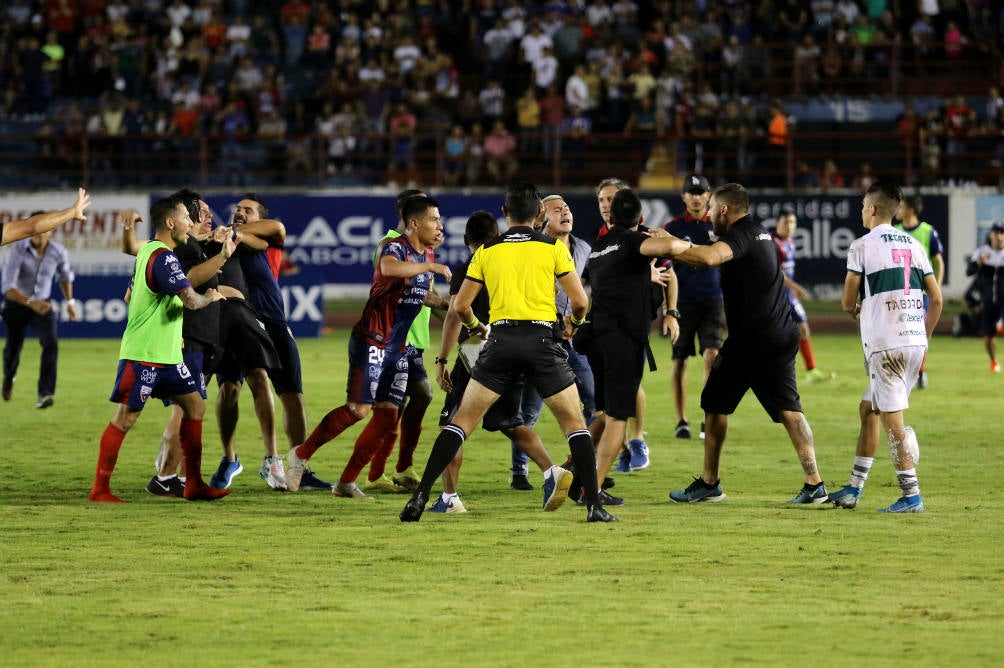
(450, 438)
(584, 458)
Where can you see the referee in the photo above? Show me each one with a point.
(519, 268)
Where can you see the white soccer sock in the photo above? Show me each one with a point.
(859, 474)
(908, 482)
(446, 497)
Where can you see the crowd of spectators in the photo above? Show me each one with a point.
(368, 87)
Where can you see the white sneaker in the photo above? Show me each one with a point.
(349, 490)
(294, 470)
(272, 473)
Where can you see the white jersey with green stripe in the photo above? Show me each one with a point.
(892, 265)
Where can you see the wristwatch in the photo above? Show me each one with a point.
(440, 360)
(673, 312)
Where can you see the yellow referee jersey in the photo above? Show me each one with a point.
(518, 268)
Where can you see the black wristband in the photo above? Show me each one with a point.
(673, 312)
(440, 360)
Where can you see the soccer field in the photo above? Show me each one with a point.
(281, 579)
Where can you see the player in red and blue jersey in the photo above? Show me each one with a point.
(782, 236)
(378, 364)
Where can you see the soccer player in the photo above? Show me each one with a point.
(151, 362)
(419, 393)
(987, 265)
(909, 211)
(699, 297)
(518, 269)
(762, 343)
(378, 363)
(43, 222)
(787, 222)
(891, 272)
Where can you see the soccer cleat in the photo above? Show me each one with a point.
(846, 497)
(103, 497)
(44, 402)
(272, 473)
(995, 367)
(682, 429)
(407, 479)
(922, 380)
(605, 499)
(383, 485)
(624, 462)
(8, 388)
(556, 488)
(905, 504)
(415, 507)
(699, 491)
(295, 468)
(810, 496)
(639, 454)
(520, 483)
(310, 482)
(203, 492)
(349, 490)
(226, 472)
(171, 487)
(599, 514)
(454, 505)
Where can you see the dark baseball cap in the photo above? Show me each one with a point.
(998, 226)
(695, 183)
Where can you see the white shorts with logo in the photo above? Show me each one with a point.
(892, 374)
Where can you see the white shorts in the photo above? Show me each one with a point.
(892, 374)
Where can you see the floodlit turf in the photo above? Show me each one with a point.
(270, 579)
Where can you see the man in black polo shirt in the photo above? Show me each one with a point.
(620, 319)
(760, 350)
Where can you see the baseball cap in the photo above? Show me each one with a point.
(695, 183)
(998, 226)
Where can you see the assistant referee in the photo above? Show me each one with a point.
(518, 268)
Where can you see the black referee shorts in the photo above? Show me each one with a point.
(766, 367)
(526, 350)
(618, 363)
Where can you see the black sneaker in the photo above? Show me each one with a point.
(599, 514)
(415, 507)
(682, 429)
(171, 487)
(519, 482)
(605, 499)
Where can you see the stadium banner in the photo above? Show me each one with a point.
(335, 235)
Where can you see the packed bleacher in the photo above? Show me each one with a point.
(465, 92)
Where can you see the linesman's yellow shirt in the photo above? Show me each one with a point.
(518, 268)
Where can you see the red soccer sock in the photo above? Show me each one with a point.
(111, 442)
(191, 448)
(382, 420)
(805, 347)
(378, 464)
(411, 430)
(331, 426)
